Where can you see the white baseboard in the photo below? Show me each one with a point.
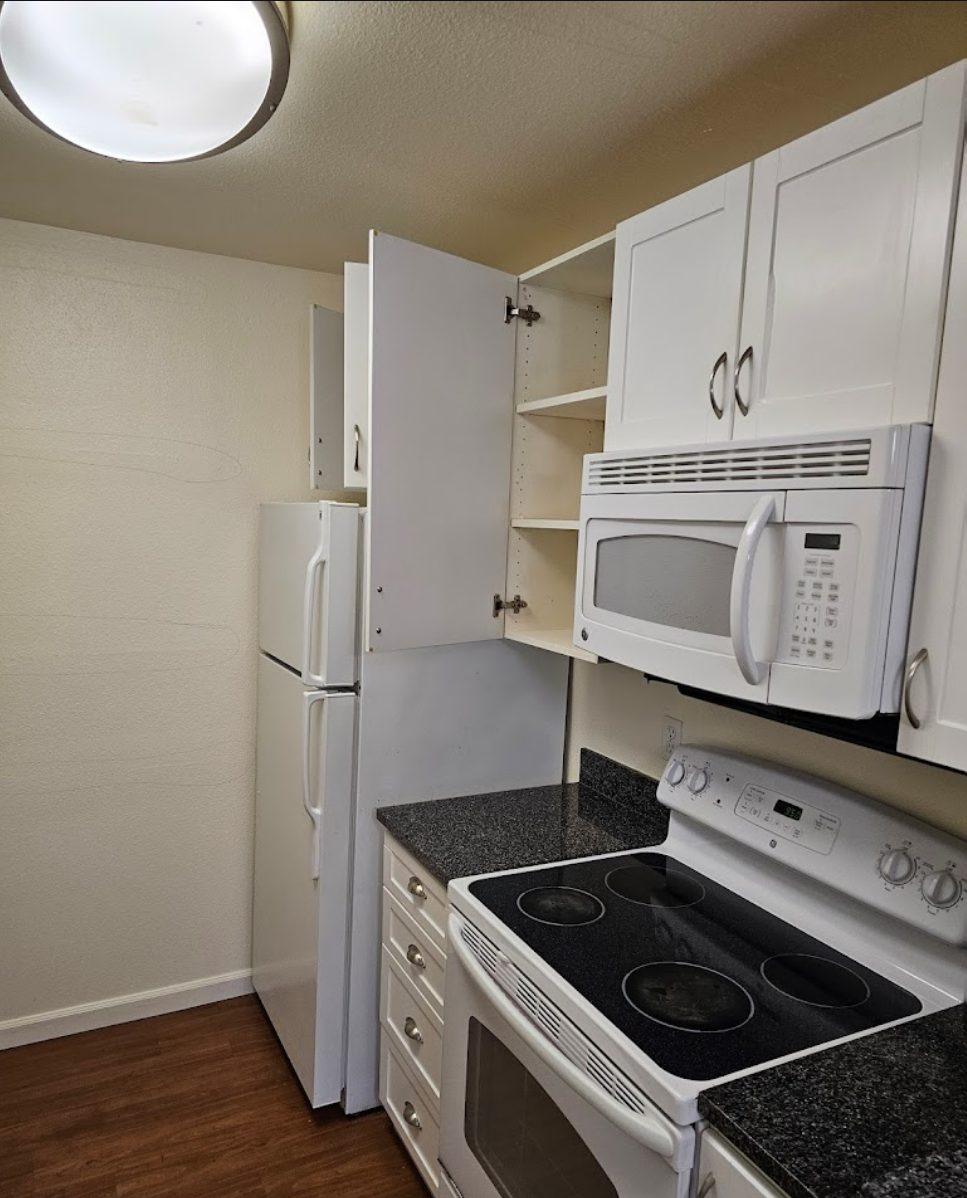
(31, 1029)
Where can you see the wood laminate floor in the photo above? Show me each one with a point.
(200, 1104)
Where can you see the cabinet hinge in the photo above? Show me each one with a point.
(528, 315)
(516, 605)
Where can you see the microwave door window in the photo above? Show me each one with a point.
(519, 1135)
(670, 581)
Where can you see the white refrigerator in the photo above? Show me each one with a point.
(340, 734)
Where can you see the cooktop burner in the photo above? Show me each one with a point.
(560, 905)
(689, 997)
(654, 886)
(664, 953)
(815, 980)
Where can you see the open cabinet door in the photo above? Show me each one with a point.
(441, 417)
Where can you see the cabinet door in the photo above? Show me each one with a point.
(732, 1176)
(325, 404)
(356, 376)
(938, 692)
(849, 238)
(675, 312)
(441, 415)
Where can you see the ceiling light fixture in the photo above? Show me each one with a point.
(145, 80)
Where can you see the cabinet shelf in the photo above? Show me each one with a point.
(555, 640)
(577, 405)
(563, 525)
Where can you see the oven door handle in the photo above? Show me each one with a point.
(645, 1131)
(745, 553)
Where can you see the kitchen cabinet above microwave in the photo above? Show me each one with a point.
(482, 393)
(800, 293)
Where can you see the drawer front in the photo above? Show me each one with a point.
(416, 891)
(416, 1032)
(723, 1172)
(413, 952)
(413, 1115)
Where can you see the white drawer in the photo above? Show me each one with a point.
(416, 1031)
(725, 1173)
(414, 1116)
(414, 952)
(416, 891)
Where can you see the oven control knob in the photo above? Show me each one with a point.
(675, 773)
(697, 782)
(897, 867)
(940, 889)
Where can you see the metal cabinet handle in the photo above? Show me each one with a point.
(720, 361)
(415, 957)
(746, 357)
(416, 887)
(912, 669)
(356, 435)
(707, 1186)
(412, 1030)
(411, 1117)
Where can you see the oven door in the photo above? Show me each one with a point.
(519, 1119)
(684, 586)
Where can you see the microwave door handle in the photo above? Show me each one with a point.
(645, 1131)
(762, 513)
(314, 813)
(308, 616)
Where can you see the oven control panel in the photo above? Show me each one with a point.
(818, 595)
(853, 843)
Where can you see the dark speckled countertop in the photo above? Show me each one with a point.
(883, 1116)
(612, 809)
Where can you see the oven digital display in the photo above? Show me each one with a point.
(823, 540)
(789, 810)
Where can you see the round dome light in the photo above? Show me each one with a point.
(145, 80)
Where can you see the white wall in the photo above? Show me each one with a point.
(615, 711)
(149, 400)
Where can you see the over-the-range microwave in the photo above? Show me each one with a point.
(778, 571)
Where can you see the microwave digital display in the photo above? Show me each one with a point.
(823, 540)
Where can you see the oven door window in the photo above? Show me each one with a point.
(518, 1134)
(671, 581)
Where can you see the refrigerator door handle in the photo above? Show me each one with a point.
(314, 813)
(317, 560)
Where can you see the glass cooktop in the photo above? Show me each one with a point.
(701, 980)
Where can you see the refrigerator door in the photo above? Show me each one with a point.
(308, 584)
(303, 833)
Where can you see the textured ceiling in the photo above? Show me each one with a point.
(503, 131)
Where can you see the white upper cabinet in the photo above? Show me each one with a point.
(675, 317)
(933, 723)
(849, 239)
(355, 448)
(441, 414)
(326, 398)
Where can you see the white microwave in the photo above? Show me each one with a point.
(778, 571)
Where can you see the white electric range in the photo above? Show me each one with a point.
(589, 1003)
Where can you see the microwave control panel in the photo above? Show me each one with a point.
(820, 569)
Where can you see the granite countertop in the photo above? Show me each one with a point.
(611, 809)
(883, 1116)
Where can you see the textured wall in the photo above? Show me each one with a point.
(615, 711)
(149, 400)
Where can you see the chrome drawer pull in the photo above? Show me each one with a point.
(720, 361)
(411, 1117)
(416, 887)
(356, 440)
(707, 1186)
(412, 1029)
(914, 666)
(743, 406)
(415, 957)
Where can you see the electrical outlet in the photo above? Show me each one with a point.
(671, 734)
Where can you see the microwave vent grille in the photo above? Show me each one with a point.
(751, 465)
(555, 1025)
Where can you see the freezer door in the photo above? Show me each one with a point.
(303, 832)
(308, 586)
